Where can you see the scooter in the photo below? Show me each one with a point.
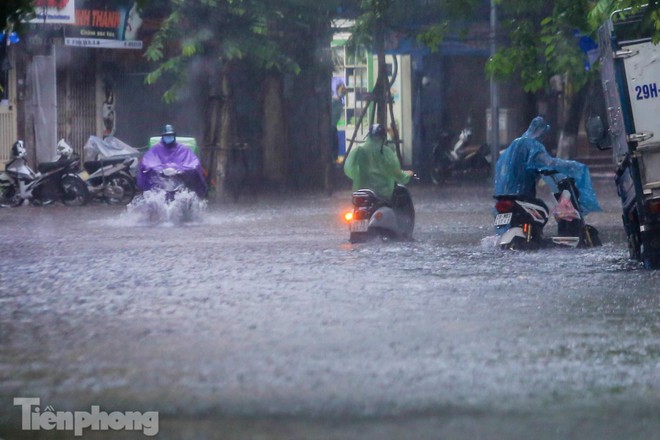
(54, 181)
(519, 221)
(108, 179)
(460, 155)
(373, 216)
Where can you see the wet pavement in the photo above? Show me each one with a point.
(261, 321)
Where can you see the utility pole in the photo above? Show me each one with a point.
(494, 98)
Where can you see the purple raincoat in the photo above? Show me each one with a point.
(177, 156)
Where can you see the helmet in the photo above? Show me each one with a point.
(64, 149)
(18, 150)
(377, 130)
(168, 130)
(537, 128)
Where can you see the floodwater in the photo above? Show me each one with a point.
(258, 320)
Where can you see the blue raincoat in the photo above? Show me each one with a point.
(517, 169)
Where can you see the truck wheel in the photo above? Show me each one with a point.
(520, 244)
(634, 248)
(649, 261)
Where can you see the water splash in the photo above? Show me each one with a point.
(489, 244)
(152, 208)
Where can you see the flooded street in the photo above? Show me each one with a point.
(261, 321)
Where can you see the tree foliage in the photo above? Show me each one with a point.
(541, 41)
(651, 9)
(257, 31)
(13, 12)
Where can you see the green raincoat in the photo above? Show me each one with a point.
(371, 167)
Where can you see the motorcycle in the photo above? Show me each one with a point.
(373, 216)
(108, 179)
(53, 181)
(459, 155)
(519, 221)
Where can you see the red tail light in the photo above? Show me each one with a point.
(504, 205)
(653, 206)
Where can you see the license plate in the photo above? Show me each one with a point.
(503, 219)
(358, 226)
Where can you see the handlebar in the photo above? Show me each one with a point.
(169, 172)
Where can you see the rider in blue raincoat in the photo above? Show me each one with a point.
(517, 169)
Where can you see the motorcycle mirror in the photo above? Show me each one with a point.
(596, 133)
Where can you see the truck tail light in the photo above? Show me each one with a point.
(653, 206)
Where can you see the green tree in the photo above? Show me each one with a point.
(13, 12)
(272, 37)
(651, 9)
(283, 40)
(541, 49)
(427, 21)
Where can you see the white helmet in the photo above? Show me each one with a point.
(18, 150)
(64, 149)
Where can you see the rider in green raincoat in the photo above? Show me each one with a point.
(374, 165)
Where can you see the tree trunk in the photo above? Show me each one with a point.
(574, 106)
(275, 133)
(213, 130)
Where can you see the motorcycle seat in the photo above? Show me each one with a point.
(45, 167)
(367, 196)
(93, 165)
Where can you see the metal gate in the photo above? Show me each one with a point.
(76, 96)
(8, 120)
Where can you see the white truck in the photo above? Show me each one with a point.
(630, 75)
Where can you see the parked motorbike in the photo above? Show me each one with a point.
(460, 155)
(519, 221)
(373, 217)
(108, 179)
(54, 181)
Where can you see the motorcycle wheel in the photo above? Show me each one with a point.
(520, 244)
(592, 239)
(439, 172)
(75, 191)
(9, 196)
(120, 190)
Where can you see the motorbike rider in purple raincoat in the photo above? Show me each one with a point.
(168, 153)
